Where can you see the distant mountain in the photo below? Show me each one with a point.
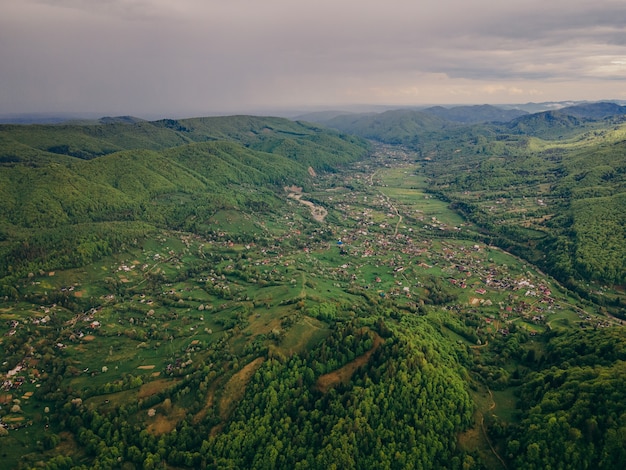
(548, 124)
(541, 107)
(475, 114)
(410, 126)
(122, 119)
(461, 114)
(43, 118)
(322, 116)
(394, 127)
(594, 110)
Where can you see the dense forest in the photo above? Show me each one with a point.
(251, 292)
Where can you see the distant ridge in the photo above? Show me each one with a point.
(475, 114)
(471, 114)
(396, 126)
(545, 124)
(117, 119)
(322, 116)
(65, 118)
(43, 118)
(599, 110)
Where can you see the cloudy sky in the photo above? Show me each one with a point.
(200, 57)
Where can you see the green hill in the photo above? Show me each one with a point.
(393, 127)
(599, 110)
(172, 174)
(548, 124)
(475, 114)
(559, 201)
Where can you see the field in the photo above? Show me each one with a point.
(179, 324)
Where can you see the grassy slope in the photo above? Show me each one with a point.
(56, 176)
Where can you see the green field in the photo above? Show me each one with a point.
(247, 332)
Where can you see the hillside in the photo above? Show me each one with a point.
(69, 181)
(548, 124)
(89, 141)
(595, 110)
(555, 201)
(475, 114)
(250, 292)
(393, 127)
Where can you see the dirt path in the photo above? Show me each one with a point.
(307, 320)
(303, 291)
(492, 407)
(318, 212)
(395, 209)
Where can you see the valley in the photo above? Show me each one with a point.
(360, 321)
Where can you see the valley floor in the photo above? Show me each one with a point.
(173, 333)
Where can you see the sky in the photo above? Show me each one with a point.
(182, 58)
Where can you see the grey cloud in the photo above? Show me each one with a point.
(192, 55)
(117, 9)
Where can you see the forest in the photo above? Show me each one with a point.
(416, 289)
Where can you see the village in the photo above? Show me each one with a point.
(358, 240)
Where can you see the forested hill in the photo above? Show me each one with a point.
(72, 193)
(549, 186)
(408, 126)
(313, 145)
(475, 114)
(394, 127)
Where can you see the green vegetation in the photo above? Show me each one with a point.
(65, 212)
(548, 186)
(572, 413)
(256, 293)
(558, 204)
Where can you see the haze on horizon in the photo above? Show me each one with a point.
(201, 57)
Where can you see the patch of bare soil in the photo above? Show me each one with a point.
(293, 189)
(343, 374)
(210, 398)
(154, 387)
(162, 424)
(236, 387)
(67, 445)
(295, 192)
(318, 212)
